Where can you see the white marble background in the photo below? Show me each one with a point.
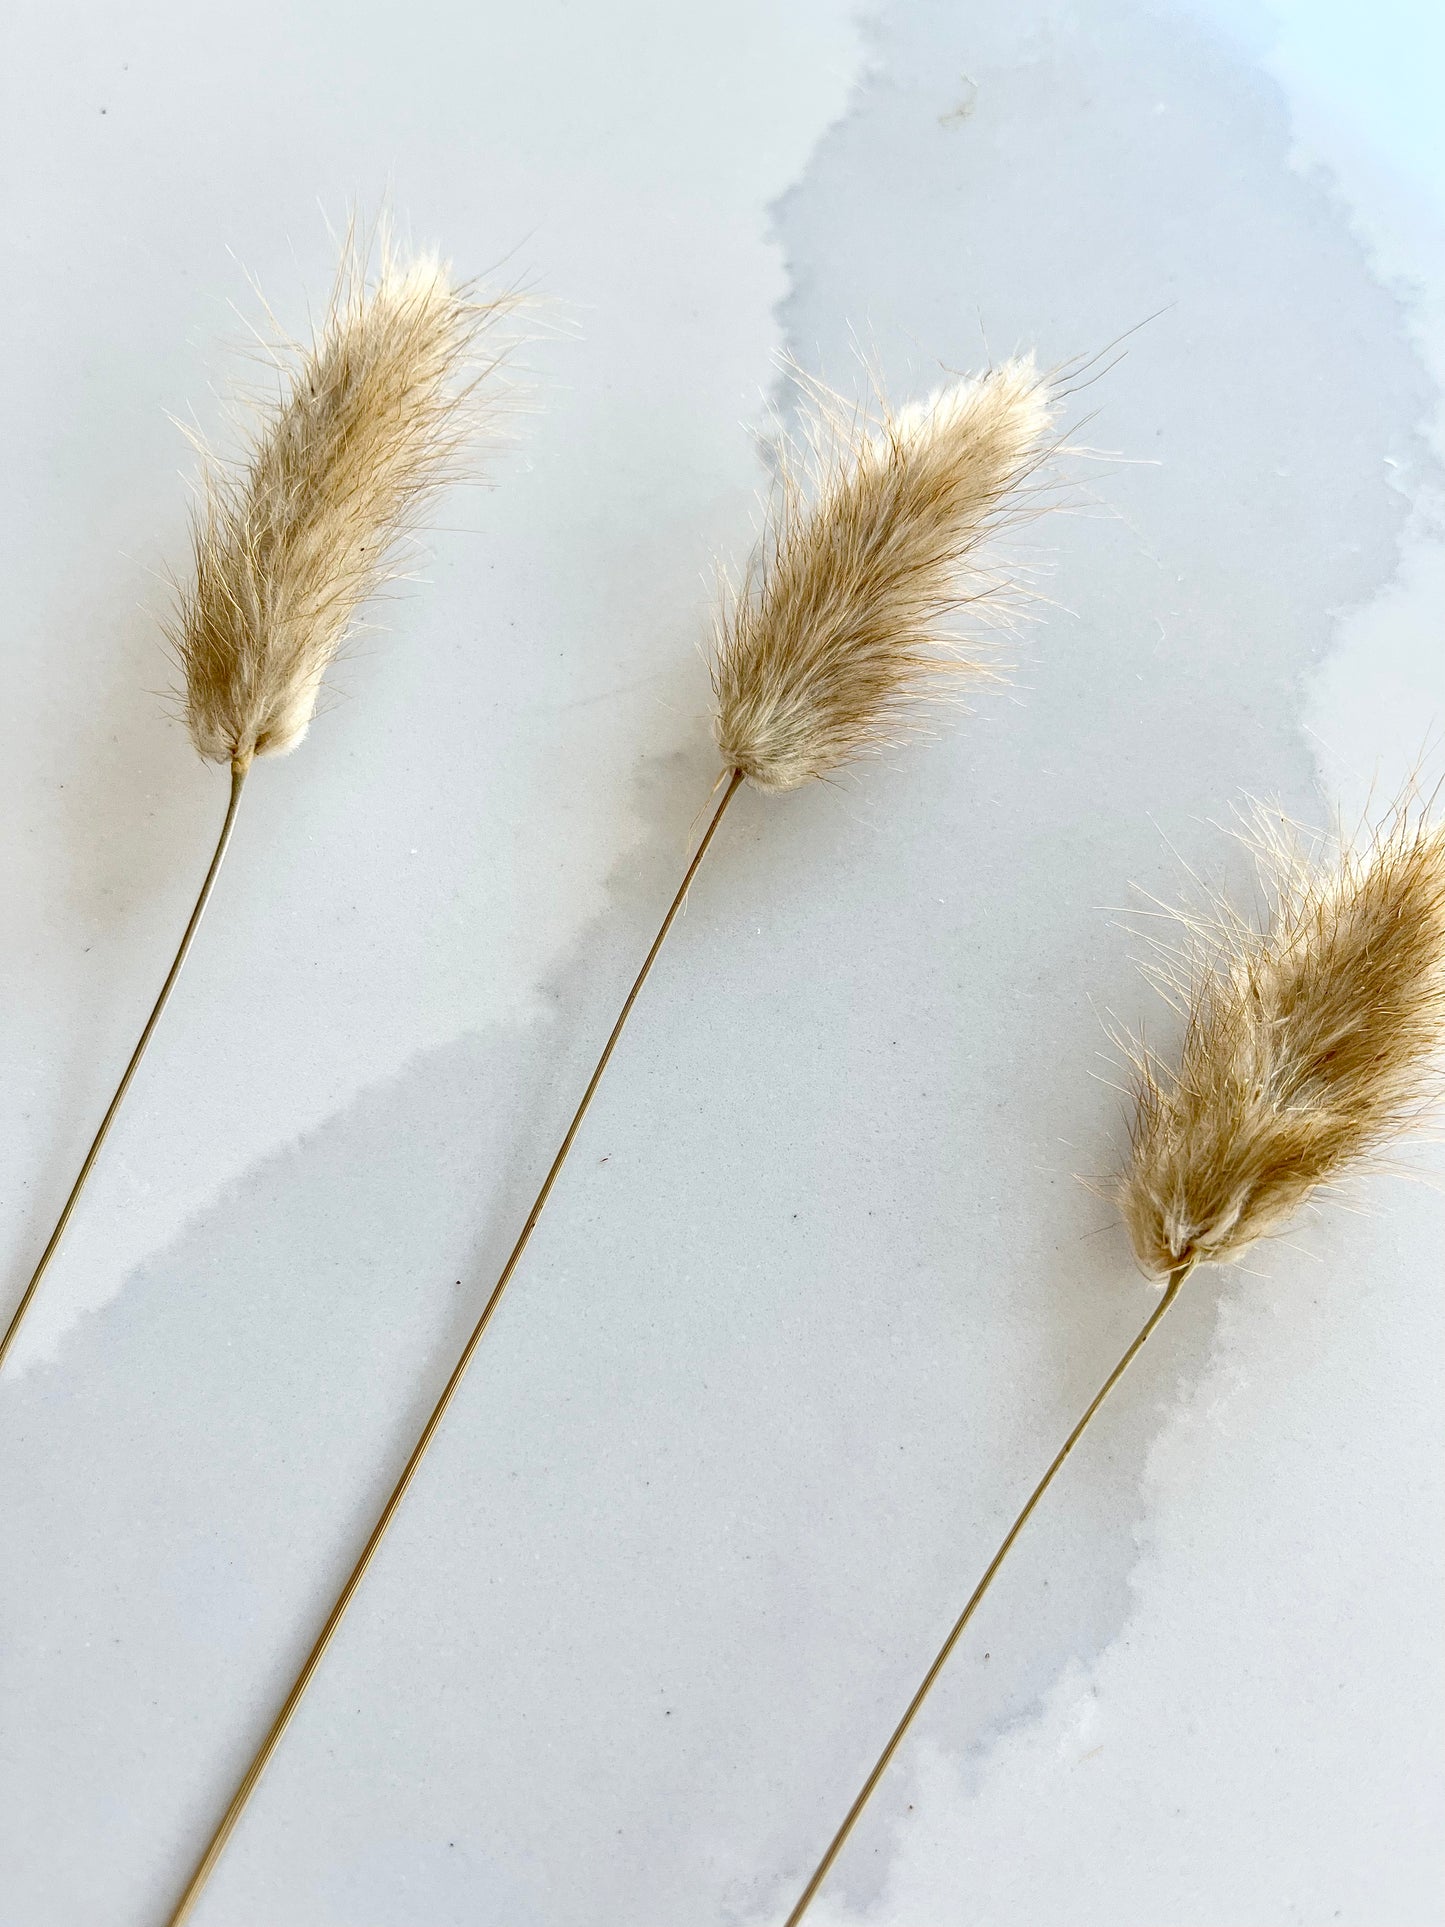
(821, 1290)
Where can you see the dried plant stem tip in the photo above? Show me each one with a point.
(960, 1625)
(238, 777)
(252, 1776)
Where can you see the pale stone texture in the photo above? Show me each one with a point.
(821, 1290)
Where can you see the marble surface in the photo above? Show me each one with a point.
(822, 1287)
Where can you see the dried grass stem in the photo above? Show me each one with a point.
(238, 777)
(960, 1625)
(252, 1776)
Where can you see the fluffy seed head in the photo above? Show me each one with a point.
(1307, 1044)
(833, 639)
(291, 539)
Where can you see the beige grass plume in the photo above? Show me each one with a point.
(831, 644)
(1306, 1046)
(834, 644)
(370, 420)
(1308, 1043)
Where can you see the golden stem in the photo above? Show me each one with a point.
(835, 1846)
(238, 777)
(207, 1863)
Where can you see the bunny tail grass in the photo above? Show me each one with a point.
(832, 646)
(238, 777)
(369, 423)
(1307, 1044)
(960, 1625)
(206, 1866)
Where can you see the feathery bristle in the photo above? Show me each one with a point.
(833, 641)
(292, 539)
(1306, 1045)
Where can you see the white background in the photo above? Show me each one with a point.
(822, 1288)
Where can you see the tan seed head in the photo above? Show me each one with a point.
(1307, 1045)
(290, 540)
(834, 640)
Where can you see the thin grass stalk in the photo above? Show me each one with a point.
(12, 1330)
(960, 1625)
(251, 1779)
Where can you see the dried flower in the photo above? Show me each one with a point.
(834, 640)
(289, 542)
(1306, 1045)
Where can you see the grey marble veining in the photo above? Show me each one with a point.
(822, 1286)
